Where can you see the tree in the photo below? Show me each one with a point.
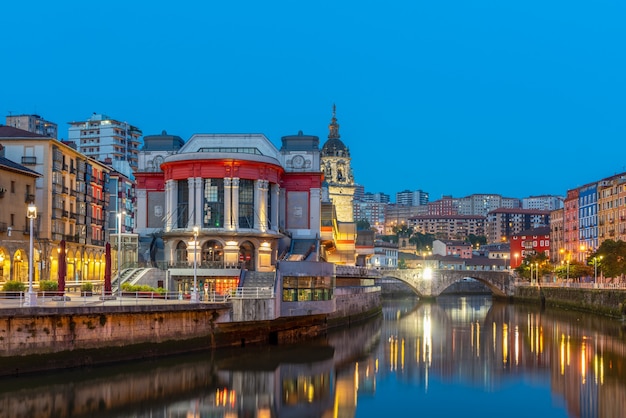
(422, 241)
(477, 239)
(534, 262)
(610, 258)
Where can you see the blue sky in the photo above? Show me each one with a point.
(453, 97)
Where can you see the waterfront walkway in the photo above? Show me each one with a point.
(9, 301)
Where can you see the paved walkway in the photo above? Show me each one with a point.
(75, 299)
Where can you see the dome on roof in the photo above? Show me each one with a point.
(335, 147)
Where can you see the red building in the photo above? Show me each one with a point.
(529, 242)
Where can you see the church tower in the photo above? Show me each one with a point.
(335, 162)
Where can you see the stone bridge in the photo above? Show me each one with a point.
(431, 282)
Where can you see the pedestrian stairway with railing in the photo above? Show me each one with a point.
(255, 285)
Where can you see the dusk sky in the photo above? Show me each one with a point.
(452, 97)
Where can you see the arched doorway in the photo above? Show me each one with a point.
(20, 267)
(246, 256)
(212, 254)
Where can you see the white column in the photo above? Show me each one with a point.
(275, 196)
(191, 186)
(198, 206)
(235, 203)
(174, 203)
(315, 216)
(260, 205)
(170, 204)
(228, 222)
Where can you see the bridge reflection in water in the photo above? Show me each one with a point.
(469, 346)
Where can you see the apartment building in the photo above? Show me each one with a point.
(543, 202)
(503, 223)
(34, 124)
(17, 186)
(72, 200)
(482, 204)
(101, 137)
(412, 198)
(448, 227)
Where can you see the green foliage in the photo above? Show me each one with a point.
(423, 242)
(610, 258)
(531, 263)
(13, 286)
(402, 264)
(86, 287)
(127, 287)
(48, 285)
(477, 240)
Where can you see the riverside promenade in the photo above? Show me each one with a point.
(75, 299)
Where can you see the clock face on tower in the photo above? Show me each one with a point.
(298, 161)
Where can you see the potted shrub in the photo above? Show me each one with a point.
(47, 287)
(13, 288)
(86, 289)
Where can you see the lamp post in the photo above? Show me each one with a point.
(595, 268)
(567, 270)
(194, 292)
(120, 215)
(31, 299)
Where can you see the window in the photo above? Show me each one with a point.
(12, 186)
(213, 206)
(246, 204)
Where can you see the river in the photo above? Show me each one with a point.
(458, 357)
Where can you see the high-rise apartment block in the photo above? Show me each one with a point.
(482, 204)
(545, 202)
(101, 137)
(33, 123)
(412, 198)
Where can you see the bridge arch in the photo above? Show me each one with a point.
(432, 282)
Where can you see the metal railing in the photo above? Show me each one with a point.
(575, 285)
(252, 293)
(54, 299)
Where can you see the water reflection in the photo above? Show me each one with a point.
(463, 356)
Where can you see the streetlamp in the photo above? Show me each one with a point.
(194, 292)
(595, 268)
(567, 270)
(31, 298)
(120, 215)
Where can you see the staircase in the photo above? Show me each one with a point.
(259, 279)
(301, 249)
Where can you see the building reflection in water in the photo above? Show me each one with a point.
(465, 341)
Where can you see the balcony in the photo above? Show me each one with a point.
(29, 160)
(3, 227)
(99, 243)
(71, 238)
(29, 198)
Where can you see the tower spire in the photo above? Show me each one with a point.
(333, 128)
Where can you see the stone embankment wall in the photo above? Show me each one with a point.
(36, 339)
(601, 301)
(355, 304)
